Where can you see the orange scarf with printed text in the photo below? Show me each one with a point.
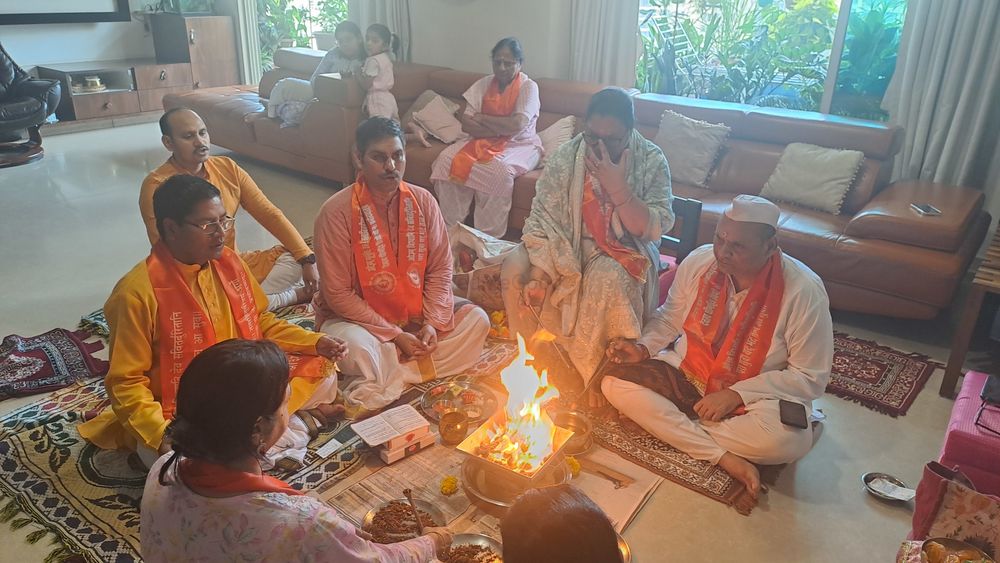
(186, 330)
(597, 216)
(712, 367)
(486, 149)
(392, 281)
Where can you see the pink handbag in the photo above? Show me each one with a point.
(947, 505)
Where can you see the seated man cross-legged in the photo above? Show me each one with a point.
(287, 273)
(386, 266)
(191, 292)
(745, 328)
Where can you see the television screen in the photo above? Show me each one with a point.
(63, 11)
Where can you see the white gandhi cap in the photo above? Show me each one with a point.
(753, 209)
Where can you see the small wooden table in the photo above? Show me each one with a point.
(987, 280)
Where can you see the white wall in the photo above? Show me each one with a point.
(31, 45)
(460, 33)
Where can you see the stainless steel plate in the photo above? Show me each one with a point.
(434, 511)
(480, 540)
(625, 549)
(478, 401)
(867, 479)
(479, 481)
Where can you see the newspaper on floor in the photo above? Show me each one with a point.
(423, 473)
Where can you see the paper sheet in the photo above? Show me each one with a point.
(892, 490)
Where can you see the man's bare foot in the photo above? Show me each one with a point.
(332, 411)
(302, 294)
(741, 470)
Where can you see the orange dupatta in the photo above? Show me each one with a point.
(186, 330)
(598, 221)
(392, 284)
(486, 149)
(742, 353)
(221, 479)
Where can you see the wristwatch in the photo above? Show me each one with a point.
(310, 259)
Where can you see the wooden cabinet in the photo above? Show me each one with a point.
(208, 43)
(106, 104)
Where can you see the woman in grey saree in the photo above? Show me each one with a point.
(587, 269)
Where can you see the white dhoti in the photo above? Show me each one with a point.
(381, 377)
(757, 436)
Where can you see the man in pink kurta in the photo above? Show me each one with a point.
(445, 337)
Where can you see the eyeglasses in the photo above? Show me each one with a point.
(212, 227)
(592, 140)
(503, 63)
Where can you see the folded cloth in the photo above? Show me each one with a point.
(49, 361)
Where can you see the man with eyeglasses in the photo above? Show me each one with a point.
(586, 272)
(500, 116)
(191, 292)
(387, 266)
(286, 272)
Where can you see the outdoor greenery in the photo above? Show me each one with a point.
(281, 23)
(749, 51)
(769, 52)
(869, 60)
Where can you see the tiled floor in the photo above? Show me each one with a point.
(69, 228)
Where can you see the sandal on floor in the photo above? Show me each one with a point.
(317, 421)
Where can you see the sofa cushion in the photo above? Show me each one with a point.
(438, 119)
(744, 167)
(691, 146)
(524, 189)
(419, 160)
(555, 135)
(422, 100)
(813, 176)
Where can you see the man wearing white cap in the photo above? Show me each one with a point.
(744, 328)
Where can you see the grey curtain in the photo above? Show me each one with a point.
(945, 93)
(603, 41)
(394, 14)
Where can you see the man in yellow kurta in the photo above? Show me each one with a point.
(158, 312)
(287, 272)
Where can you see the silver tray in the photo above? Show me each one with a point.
(480, 540)
(867, 479)
(477, 482)
(434, 511)
(624, 549)
(484, 407)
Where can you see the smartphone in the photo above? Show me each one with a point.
(793, 414)
(925, 209)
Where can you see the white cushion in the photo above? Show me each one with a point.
(813, 176)
(691, 146)
(438, 121)
(555, 135)
(421, 102)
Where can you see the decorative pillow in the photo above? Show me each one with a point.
(813, 176)
(421, 102)
(555, 135)
(691, 146)
(438, 121)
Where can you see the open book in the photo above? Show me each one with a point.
(390, 424)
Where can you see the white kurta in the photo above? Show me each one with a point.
(796, 368)
(490, 184)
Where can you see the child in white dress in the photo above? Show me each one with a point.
(377, 78)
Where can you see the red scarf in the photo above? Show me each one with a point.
(185, 328)
(748, 338)
(391, 282)
(484, 150)
(220, 479)
(597, 216)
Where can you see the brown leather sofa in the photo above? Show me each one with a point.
(877, 256)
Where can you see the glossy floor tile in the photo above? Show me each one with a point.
(70, 227)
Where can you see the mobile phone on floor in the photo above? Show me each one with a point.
(925, 209)
(793, 414)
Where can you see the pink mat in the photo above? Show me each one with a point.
(975, 451)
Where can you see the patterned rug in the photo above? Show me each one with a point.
(86, 500)
(878, 377)
(44, 363)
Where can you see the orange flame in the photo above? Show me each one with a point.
(523, 439)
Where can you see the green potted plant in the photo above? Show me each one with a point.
(330, 13)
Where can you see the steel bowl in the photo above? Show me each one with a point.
(579, 423)
(953, 546)
(624, 549)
